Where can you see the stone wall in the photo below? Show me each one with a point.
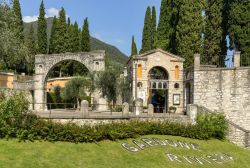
(226, 90)
(238, 136)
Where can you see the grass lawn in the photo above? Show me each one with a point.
(111, 154)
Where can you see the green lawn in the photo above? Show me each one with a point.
(111, 154)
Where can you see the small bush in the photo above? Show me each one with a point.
(213, 124)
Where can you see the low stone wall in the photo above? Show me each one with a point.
(179, 119)
(238, 136)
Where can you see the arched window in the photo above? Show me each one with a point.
(177, 72)
(139, 71)
(176, 85)
(160, 85)
(154, 85)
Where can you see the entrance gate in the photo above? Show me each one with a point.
(94, 62)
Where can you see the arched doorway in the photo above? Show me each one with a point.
(93, 61)
(158, 89)
(56, 97)
(188, 94)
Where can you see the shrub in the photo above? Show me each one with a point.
(213, 124)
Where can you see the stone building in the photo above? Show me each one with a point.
(157, 78)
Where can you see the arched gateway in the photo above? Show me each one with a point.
(94, 62)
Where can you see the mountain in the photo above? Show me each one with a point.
(112, 52)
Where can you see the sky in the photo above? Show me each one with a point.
(111, 21)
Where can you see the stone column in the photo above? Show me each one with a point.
(85, 108)
(39, 93)
(237, 59)
(138, 106)
(125, 110)
(197, 61)
(192, 111)
(150, 110)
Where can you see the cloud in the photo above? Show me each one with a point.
(51, 12)
(29, 19)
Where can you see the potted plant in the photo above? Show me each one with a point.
(172, 109)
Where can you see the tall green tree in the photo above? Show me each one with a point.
(133, 47)
(146, 35)
(213, 36)
(18, 21)
(239, 25)
(85, 36)
(53, 35)
(189, 30)
(42, 31)
(164, 27)
(32, 47)
(153, 28)
(75, 38)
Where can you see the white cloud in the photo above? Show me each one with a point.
(29, 19)
(51, 12)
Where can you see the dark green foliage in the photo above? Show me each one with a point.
(108, 89)
(133, 47)
(239, 25)
(18, 21)
(213, 124)
(32, 47)
(85, 36)
(61, 33)
(164, 26)
(53, 36)
(146, 35)
(42, 31)
(74, 39)
(213, 30)
(153, 28)
(189, 30)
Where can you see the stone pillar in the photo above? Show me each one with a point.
(39, 93)
(125, 110)
(84, 108)
(197, 61)
(138, 106)
(192, 111)
(237, 59)
(150, 110)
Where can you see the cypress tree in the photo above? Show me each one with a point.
(53, 36)
(42, 31)
(189, 30)
(61, 45)
(75, 37)
(31, 44)
(225, 14)
(18, 22)
(213, 30)
(239, 25)
(164, 27)
(153, 28)
(146, 35)
(133, 47)
(85, 36)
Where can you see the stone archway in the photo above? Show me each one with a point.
(94, 61)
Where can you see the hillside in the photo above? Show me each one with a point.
(205, 154)
(112, 52)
